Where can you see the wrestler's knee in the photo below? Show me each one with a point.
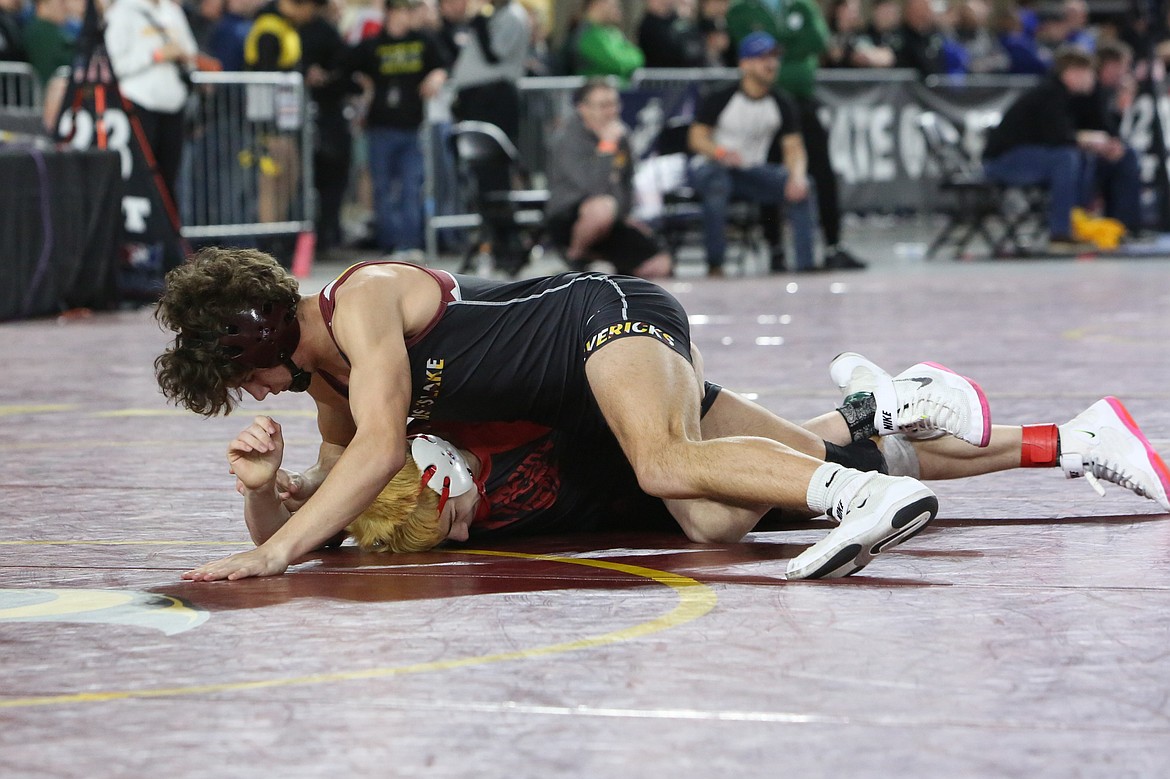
(600, 209)
(664, 471)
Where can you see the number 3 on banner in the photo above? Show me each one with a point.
(79, 128)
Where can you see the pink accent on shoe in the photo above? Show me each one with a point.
(984, 405)
(1155, 459)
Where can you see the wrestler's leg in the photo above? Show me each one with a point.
(661, 436)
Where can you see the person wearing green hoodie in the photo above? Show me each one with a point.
(800, 28)
(598, 47)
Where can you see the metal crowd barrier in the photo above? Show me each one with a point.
(248, 163)
(21, 100)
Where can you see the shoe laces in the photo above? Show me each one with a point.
(926, 413)
(1095, 471)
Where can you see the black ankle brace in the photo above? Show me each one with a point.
(858, 411)
(862, 455)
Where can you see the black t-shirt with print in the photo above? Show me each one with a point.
(397, 67)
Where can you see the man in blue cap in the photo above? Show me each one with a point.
(801, 30)
(733, 134)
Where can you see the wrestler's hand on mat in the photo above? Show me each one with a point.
(254, 455)
(260, 561)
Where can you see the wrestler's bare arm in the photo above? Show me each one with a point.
(337, 429)
(369, 326)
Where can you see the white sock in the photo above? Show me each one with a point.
(833, 488)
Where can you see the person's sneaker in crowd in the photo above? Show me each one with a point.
(883, 513)
(1104, 443)
(715, 272)
(921, 402)
(840, 259)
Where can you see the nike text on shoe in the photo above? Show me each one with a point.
(886, 511)
(924, 401)
(1103, 442)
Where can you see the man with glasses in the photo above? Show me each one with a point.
(591, 189)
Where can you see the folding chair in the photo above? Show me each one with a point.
(972, 202)
(511, 216)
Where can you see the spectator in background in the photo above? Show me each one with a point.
(226, 43)
(486, 76)
(849, 45)
(598, 47)
(803, 36)
(713, 28)
(454, 28)
(452, 35)
(921, 42)
(733, 135)
(885, 23)
(11, 32)
(486, 79)
(424, 16)
(1113, 171)
(1076, 22)
(322, 55)
(668, 40)
(152, 51)
(1038, 143)
(367, 22)
(1025, 56)
(972, 48)
(202, 17)
(45, 41)
(274, 45)
(406, 67)
(539, 61)
(74, 19)
(591, 189)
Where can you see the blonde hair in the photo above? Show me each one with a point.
(403, 518)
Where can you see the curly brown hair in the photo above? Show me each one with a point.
(201, 294)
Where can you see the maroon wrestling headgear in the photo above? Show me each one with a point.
(261, 338)
(264, 338)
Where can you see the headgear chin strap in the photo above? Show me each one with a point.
(264, 338)
(444, 469)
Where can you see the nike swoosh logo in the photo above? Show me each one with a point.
(1089, 433)
(830, 481)
(922, 380)
(862, 503)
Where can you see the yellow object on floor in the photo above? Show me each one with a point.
(1101, 231)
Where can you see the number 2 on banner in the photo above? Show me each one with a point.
(79, 128)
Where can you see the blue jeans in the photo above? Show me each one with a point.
(396, 168)
(716, 185)
(1056, 167)
(1120, 183)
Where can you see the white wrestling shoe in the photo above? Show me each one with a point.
(924, 401)
(1103, 442)
(886, 511)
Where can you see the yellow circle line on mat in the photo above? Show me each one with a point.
(6, 411)
(694, 600)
